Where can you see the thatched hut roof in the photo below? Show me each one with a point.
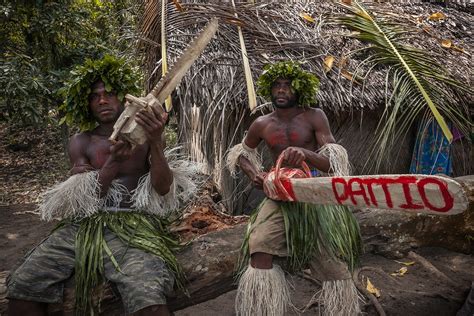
(275, 31)
(213, 95)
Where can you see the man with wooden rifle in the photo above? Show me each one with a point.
(114, 206)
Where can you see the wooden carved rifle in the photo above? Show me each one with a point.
(126, 127)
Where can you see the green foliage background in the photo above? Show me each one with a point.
(43, 40)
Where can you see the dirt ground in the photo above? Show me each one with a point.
(418, 293)
(31, 160)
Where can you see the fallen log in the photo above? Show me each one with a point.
(393, 233)
(209, 260)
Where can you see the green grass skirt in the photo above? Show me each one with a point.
(142, 231)
(309, 227)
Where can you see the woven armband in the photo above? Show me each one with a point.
(78, 197)
(186, 180)
(233, 155)
(338, 159)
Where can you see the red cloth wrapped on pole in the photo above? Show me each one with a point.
(277, 185)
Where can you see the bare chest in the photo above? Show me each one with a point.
(99, 151)
(298, 133)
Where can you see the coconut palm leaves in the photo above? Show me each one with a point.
(417, 80)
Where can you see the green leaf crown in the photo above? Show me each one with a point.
(304, 84)
(116, 74)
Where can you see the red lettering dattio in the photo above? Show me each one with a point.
(361, 191)
(384, 184)
(371, 192)
(443, 188)
(405, 182)
(343, 196)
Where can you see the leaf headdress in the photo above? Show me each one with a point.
(304, 84)
(114, 72)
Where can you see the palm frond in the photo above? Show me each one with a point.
(164, 54)
(252, 96)
(416, 79)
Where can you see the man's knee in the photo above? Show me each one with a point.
(268, 231)
(261, 260)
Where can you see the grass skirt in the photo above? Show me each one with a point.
(308, 229)
(142, 231)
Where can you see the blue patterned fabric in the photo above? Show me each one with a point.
(432, 152)
(315, 173)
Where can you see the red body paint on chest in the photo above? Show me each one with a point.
(277, 138)
(294, 137)
(101, 157)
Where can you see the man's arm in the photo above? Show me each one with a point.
(119, 152)
(252, 140)
(154, 123)
(76, 150)
(295, 155)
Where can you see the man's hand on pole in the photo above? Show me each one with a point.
(257, 180)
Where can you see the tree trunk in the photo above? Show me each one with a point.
(209, 260)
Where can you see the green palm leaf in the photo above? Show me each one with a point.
(415, 77)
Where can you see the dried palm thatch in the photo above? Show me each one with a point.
(463, 5)
(213, 112)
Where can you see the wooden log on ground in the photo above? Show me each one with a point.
(209, 260)
(394, 233)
